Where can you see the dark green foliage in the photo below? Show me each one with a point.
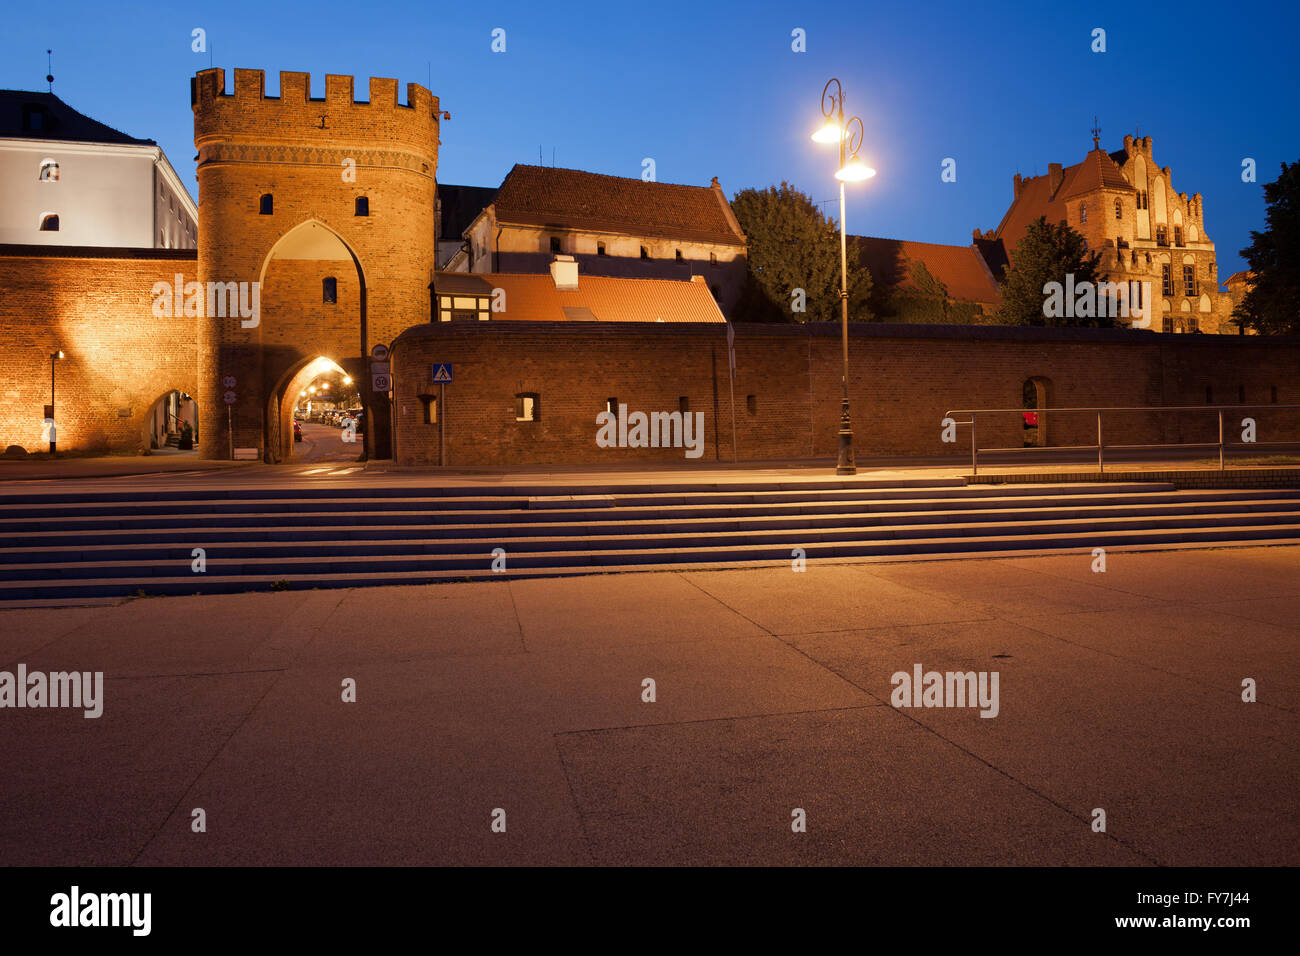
(793, 246)
(1272, 304)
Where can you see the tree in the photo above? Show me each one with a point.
(793, 247)
(1048, 253)
(1272, 303)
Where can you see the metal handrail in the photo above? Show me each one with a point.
(1100, 447)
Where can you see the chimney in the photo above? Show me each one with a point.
(564, 272)
(1128, 143)
(1054, 177)
(1015, 187)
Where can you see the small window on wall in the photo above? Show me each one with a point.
(600, 249)
(1178, 235)
(1083, 212)
(528, 407)
(555, 243)
(1189, 280)
(713, 258)
(330, 290)
(266, 205)
(645, 253)
(751, 403)
(678, 256)
(49, 171)
(1119, 209)
(363, 206)
(50, 222)
(430, 403)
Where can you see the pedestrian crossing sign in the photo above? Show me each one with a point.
(441, 372)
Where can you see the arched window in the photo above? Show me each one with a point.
(50, 222)
(329, 290)
(363, 206)
(49, 171)
(266, 206)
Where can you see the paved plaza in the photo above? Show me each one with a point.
(1118, 690)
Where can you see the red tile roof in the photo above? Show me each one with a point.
(574, 199)
(1097, 171)
(534, 298)
(959, 268)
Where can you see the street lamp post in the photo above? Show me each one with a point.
(54, 357)
(851, 169)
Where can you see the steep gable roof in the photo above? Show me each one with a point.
(574, 199)
(961, 269)
(460, 206)
(1098, 170)
(31, 115)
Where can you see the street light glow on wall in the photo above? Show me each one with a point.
(835, 129)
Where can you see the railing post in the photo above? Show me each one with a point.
(1101, 460)
(974, 448)
(1221, 439)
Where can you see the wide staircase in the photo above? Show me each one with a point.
(62, 547)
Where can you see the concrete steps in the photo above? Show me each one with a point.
(67, 547)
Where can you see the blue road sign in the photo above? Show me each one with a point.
(441, 372)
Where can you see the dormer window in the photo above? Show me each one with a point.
(34, 118)
(50, 222)
(266, 205)
(49, 171)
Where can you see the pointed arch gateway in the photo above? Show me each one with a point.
(300, 324)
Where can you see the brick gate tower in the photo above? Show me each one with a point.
(316, 241)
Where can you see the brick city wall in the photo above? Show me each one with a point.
(787, 390)
(95, 305)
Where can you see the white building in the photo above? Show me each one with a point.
(68, 180)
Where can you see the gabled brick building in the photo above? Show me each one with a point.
(612, 226)
(1127, 209)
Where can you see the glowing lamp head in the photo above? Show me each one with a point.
(855, 171)
(829, 132)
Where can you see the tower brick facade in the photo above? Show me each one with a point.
(295, 190)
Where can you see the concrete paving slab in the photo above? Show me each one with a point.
(828, 597)
(1087, 729)
(876, 789)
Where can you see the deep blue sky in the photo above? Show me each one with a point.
(714, 89)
